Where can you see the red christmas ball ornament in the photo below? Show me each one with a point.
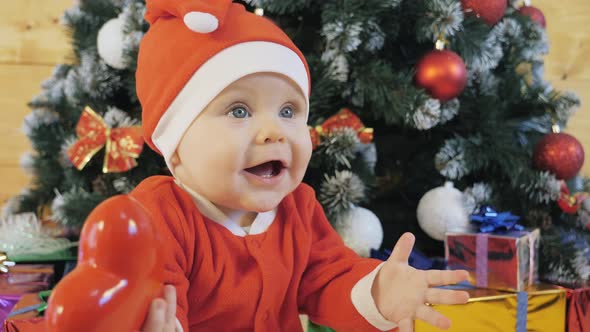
(534, 13)
(442, 74)
(560, 154)
(490, 11)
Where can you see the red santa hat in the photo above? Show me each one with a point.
(196, 48)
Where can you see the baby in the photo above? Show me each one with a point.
(225, 98)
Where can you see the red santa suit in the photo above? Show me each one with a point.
(291, 262)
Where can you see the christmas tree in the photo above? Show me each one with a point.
(406, 95)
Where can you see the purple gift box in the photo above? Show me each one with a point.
(506, 261)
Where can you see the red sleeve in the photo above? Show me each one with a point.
(332, 270)
(177, 243)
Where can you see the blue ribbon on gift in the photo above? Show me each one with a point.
(491, 221)
(417, 259)
(522, 304)
(382, 254)
(522, 311)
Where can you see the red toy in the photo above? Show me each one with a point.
(119, 272)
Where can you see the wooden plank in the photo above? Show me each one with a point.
(14, 180)
(579, 124)
(18, 84)
(569, 37)
(30, 31)
(566, 64)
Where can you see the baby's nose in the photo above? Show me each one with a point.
(270, 132)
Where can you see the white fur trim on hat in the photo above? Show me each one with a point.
(201, 22)
(221, 70)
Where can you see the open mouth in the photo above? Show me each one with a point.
(267, 169)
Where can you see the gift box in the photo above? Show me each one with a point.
(26, 239)
(29, 306)
(7, 302)
(26, 278)
(578, 310)
(25, 325)
(25, 314)
(539, 309)
(62, 262)
(69, 254)
(506, 261)
(20, 280)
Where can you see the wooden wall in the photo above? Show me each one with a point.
(32, 42)
(568, 61)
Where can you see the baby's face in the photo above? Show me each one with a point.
(250, 146)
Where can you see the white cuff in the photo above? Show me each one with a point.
(178, 326)
(365, 304)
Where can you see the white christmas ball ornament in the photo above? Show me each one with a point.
(110, 41)
(442, 209)
(360, 229)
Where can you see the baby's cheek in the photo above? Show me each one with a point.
(306, 150)
(302, 159)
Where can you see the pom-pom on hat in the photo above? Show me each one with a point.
(196, 48)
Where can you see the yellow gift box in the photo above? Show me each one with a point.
(539, 309)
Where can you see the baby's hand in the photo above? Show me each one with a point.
(402, 293)
(162, 314)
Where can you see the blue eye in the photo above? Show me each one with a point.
(287, 112)
(239, 113)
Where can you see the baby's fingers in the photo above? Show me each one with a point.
(446, 296)
(442, 277)
(406, 325)
(432, 317)
(156, 317)
(170, 297)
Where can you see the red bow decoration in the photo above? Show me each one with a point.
(570, 203)
(343, 119)
(122, 145)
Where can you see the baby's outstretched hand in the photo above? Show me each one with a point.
(162, 314)
(402, 293)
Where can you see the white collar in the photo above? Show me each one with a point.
(260, 224)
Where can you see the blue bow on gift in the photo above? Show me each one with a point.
(417, 259)
(490, 221)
